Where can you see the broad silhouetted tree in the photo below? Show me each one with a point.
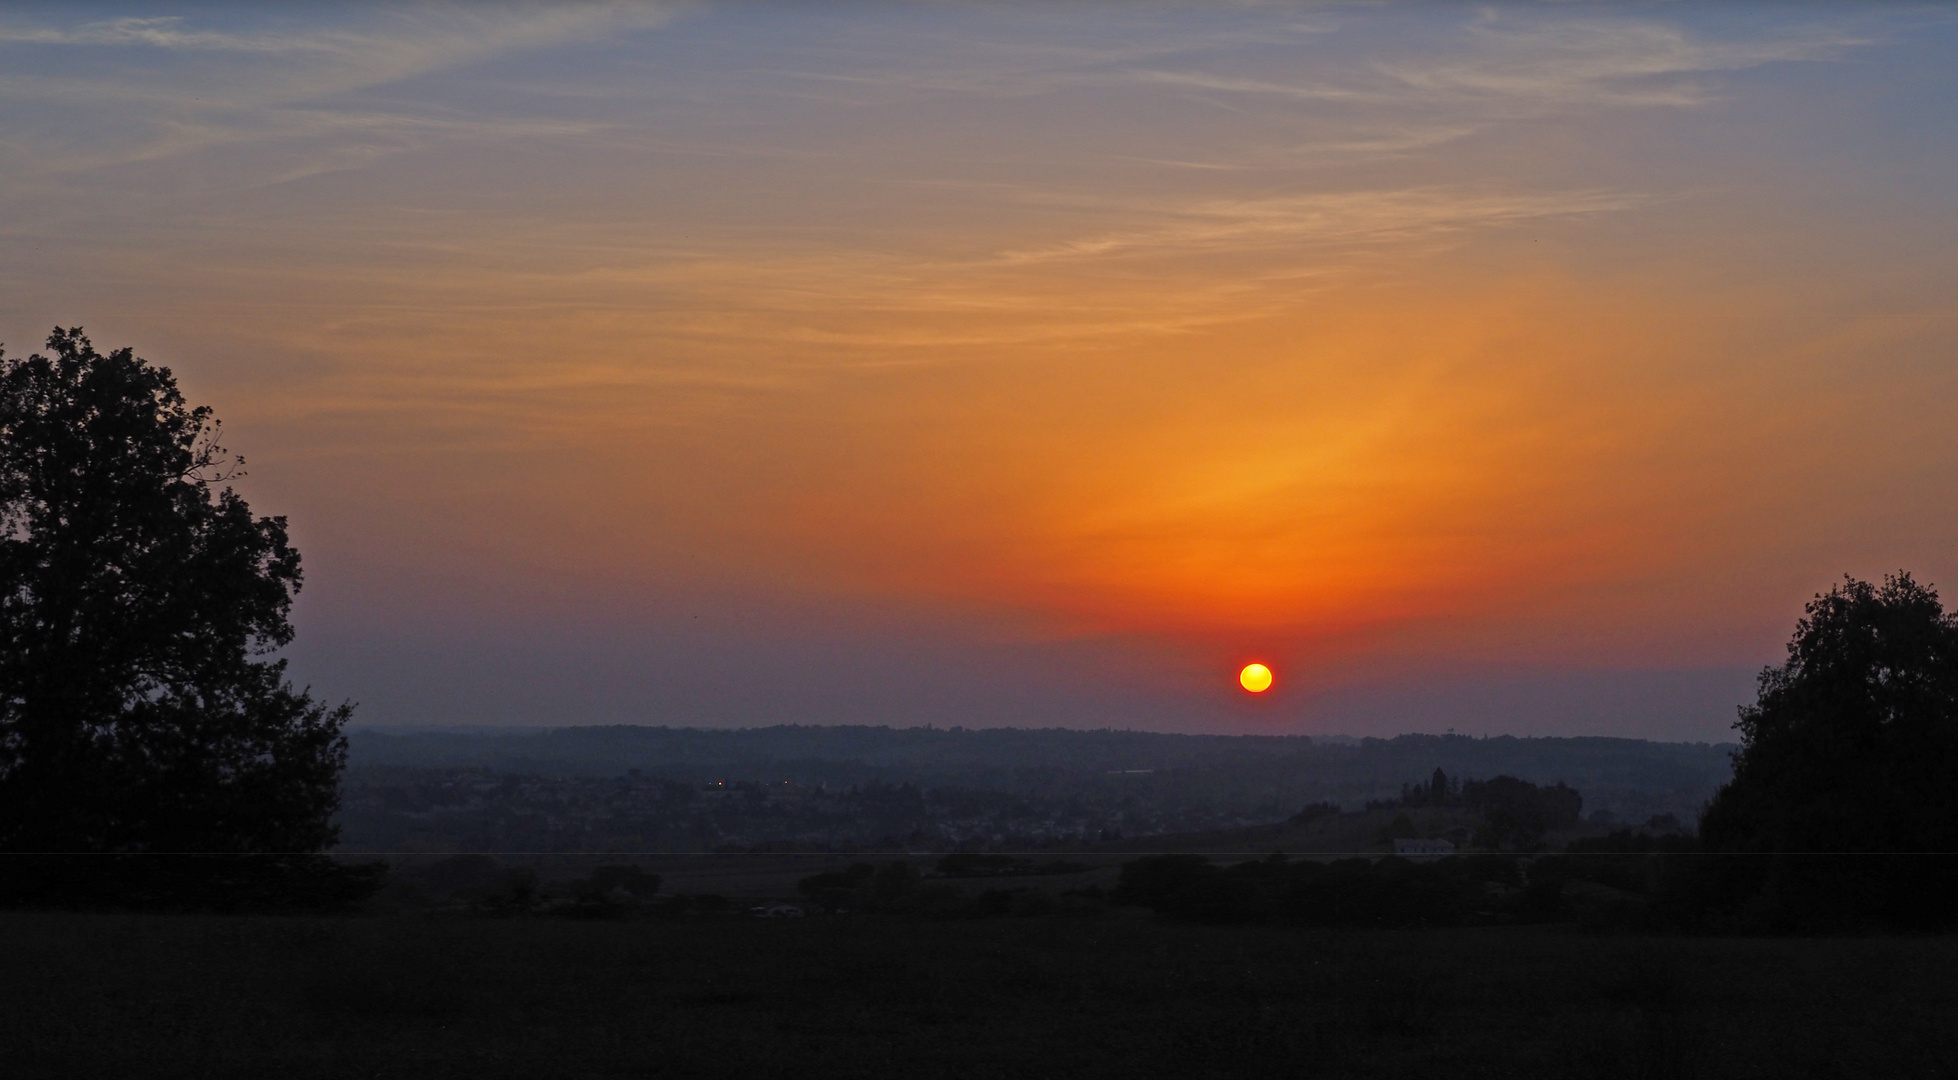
(1846, 781)
(1853, 743)
(139, 599)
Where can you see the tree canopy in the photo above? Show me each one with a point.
(140, 601)
(1843, 811)
(1852, 745)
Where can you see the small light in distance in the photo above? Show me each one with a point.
(1255, 678)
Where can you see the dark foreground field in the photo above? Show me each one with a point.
(194, 996)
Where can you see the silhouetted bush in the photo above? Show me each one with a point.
(616, 884)
(835, 888)
(863, 887)
(1516, 813)
(1627, 842)
(611, 892)
(1313, 813)
(1346, 892)
(967, 864)
(1401, 828)
(973, 864)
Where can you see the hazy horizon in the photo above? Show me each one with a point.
(1511, 368)
(1327, 737)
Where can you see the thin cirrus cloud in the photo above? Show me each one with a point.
(1386, 341)
(1609, 62)
(279, 83)
(1330, 218)
(167, 32)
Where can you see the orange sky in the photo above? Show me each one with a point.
(709, 362)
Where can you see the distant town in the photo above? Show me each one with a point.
(658, 790)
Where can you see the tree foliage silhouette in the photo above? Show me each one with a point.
(1853, 743)
(1843, 808)
(139, 600)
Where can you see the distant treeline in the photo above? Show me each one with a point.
(1252, 776)
(1514, 814)
(1626, 882)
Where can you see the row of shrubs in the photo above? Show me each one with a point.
(1661, 884)
(1626, 882)
(1387, 892)
(479, 884)
(1623, 882)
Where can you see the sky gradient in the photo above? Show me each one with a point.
(1511, 368)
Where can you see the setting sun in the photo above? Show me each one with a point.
(1255, 678)
(905, 363)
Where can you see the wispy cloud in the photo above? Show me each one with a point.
(168, 32)
(1332, 218)
(263, 81)
(1198, 80)
(1586, 61)
(432, 33)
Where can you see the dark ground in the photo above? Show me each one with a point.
(1114, 995)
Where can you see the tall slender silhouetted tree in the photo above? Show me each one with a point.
(139, 600)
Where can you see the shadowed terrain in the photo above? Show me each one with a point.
(1118, 995)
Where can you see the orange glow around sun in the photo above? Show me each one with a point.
(1255, 677)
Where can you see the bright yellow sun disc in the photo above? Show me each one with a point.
(1255, 678)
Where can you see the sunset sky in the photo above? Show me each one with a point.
(1504, 368)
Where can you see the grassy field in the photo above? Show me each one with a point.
(206, 996)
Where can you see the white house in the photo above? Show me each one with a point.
(1417, 849)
